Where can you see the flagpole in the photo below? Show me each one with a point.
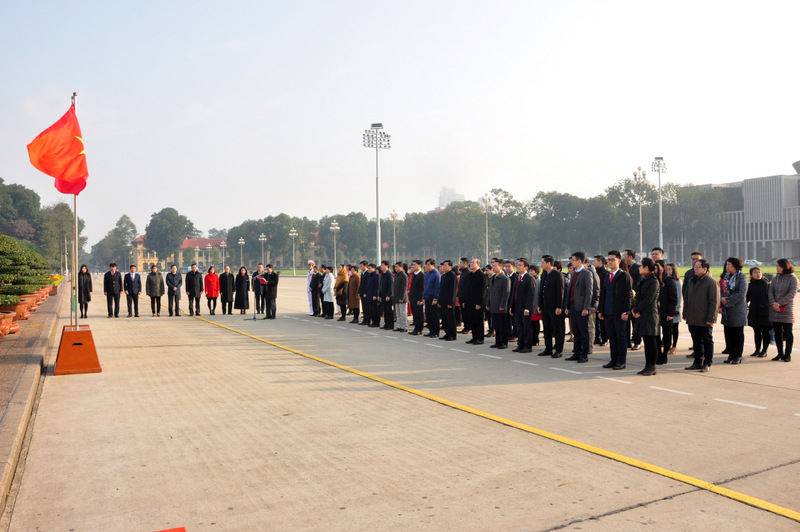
(73, 310)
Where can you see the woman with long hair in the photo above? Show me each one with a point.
(672, 271)
(241, 288)
(211, 285)
(667, 305)
(340, 290)
(84, 290)
(154, 287)
(758, 311)
(781, 292)
(645, 309)
(733, 300)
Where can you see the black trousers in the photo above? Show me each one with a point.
(212, 304)
(600, 333)
(524, 333)
(84, 309)
(327, 309)
(196, 301)
(476, 323)
(783, 334)
(675, 334)
(133, 299)
(272, 307)
(315, 301)
(365, 305)
(734, 340)
(650, 350)
(417, 314)
(176, 297)
(761, 335)
(388, 314)
(432, 316)
(666, 341)
(553, 326)
(113, 300)
(500, 320)
(580, 329)
(375, 312)
(536, 326)
(617, 338)
(449, 321)
(227, 306)
(260, 300)
(155, 305)
(703, 344)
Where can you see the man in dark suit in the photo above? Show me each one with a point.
(385, 292)
(474, 301)
(416, 296)
(579, 306)
(400, 298)
(600, 336)
(133, 287)
(112, 288)
(362, 293)
(461, 294)
(522, 305)
(194, 287)
(373, 296)
(551, 301)
(315, 285)
(448, 286)
(271, 292)
(497, 303)
(629, 257)
(615, 305)
(259, 292)
(431, 293)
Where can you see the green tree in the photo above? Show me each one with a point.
(116, 246)
(167, 230)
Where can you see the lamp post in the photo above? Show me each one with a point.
(334, 229)
(393, 217)
(196, 253)
(293, 234)
(223, 245)
(208, 255)
(262, 238)
(638, 178)
(241, 250)
(378, 140)
(487, 204)
(660, 166)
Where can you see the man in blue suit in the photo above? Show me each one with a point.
(133, 287)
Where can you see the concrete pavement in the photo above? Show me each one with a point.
(197, 425)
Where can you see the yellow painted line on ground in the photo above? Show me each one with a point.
(719, 490)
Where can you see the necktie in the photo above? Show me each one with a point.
(611, 277)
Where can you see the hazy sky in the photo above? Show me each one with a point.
(235, 110)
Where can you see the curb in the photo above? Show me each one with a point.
(31, 344)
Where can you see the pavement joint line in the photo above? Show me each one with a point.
(523, 362)
(615, 380)
(489, 356)
(372, 333)
(391, 337)
(671, 391)
(459, 350)
(740, 404)
(412, 341)
(568, 371)
(599, 451)
(434, 345)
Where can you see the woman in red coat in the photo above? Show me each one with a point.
(212, 289)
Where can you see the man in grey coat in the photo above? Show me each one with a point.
(400, 298)
(497, 303)
(700, 312)
(580, 296)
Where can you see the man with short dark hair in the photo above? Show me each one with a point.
(522, 305)
(362, 293)
(271, 292)
(497, 303)
(657, 254)
(373, 296)
(600, 335)
(447, 300)
(400, 298)
(700, 312)
(579, 305)
(614, 309)
(385, 293)
(112, 288)
(634, 341)
(194, 287)
(551, 301)
(474, 298)
(174, 282)
(416, 297)
(259, 295)
(462, 315)
(133, 287)
(688, 276)
(431, 294)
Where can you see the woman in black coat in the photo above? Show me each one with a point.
(667, 304)
(242, 287)
(84, 289)
(645, 309)
(758, 311)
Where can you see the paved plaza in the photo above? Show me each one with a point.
(225, 423)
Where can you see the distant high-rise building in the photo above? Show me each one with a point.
(448, 196)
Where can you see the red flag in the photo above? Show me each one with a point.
(58, 152)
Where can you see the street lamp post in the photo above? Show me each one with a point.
(262, 238)
(660, 166)
(196, 253)
(638, 178)
(223, 245)
(241, 250)
(393, 217)
(487, 205)
(334, 229)
(208, 255)
(378, 140)
(293, 234)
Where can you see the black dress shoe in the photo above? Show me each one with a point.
(609, 365)
(451, 339)
(525, 350)
(470, 342)
(415, 333)
(736, 360)
(464, 331)
(516, 349)
(401, 330)
(583, 360)
(619, 366)
(694, 367)
(572, 358)
(477, 342)
(494, 346)
(502, 346)
(556, 355)
(545, 354)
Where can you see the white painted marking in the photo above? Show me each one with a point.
(671, 391)
(391, 337)
(487, 356)
(610, 379)
(567, 371)
(740, 404)
(340, 327)
(372, 333)
(523, 362)
(435, 345)
(412, 341)
(459, 350)
(798, 415)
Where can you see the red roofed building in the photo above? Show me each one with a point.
(203, 256)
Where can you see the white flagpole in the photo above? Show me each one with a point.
(73, 310)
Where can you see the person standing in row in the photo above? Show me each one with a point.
(551, 302)
(133, 288)
(154, 288)
(431, 293)
(734, 309)
(227, 287)
(700, 306)
(645, 309)
(211, 285)
(385, 296)
(328, 297)
(242, 288)
(309, 278)
(758, 311)
(174, 283)
(271, 292)
(614, 309)
(497, 304)
(112, 288)
(363, 286)
(667, 309)
(416, 297)
(400, 298)
(194, 287)
(579, 306)
(672, 271)
(522, 305)
(258, 289)
(353, 291)
(84, 289)
(782, 291)
(340, 291)
(475, 299)
(448, 288)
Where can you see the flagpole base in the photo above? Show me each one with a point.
(77, 353)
